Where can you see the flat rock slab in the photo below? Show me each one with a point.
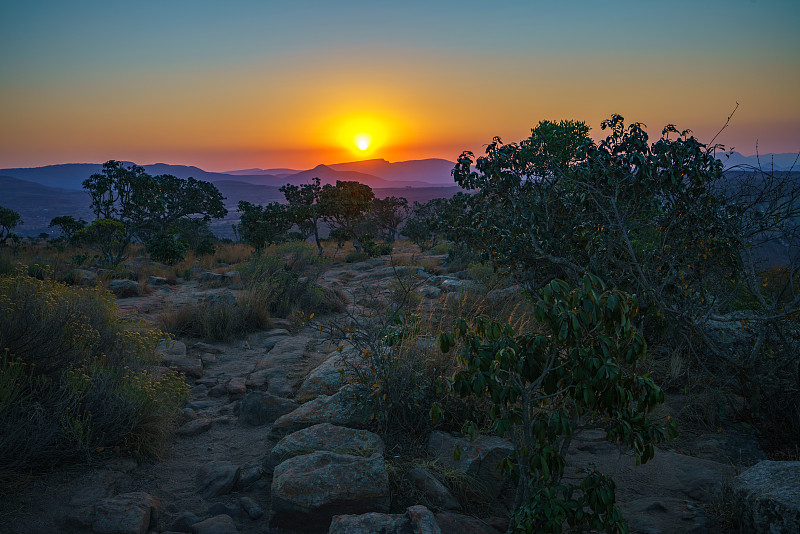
(767, 497)
(336, 409)
(416, 520)
(325, 379)
(434, 491)
(451, 523)
(327, 437)
(128, 513)
(665, 516)
(282, 364)
(309, 490)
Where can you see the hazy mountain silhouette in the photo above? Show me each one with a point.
(779, 162)
(433, 171)
(38, 204)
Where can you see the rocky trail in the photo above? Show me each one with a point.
(269, 443)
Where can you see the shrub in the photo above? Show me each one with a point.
(166, 248)
(217, 318)
(75, 377)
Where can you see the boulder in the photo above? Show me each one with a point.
(277, 365)
(309, 490)
(128, 513)
(337, 409)
(432, 489)
(125, 288)
(219, 524)
(195, 427)
(416, 520)
(237, 387)
(156, 281)
(217, 478)
(766, 497)
(222, 298)
(325, 437)
(184, 522)
(82, 277)
(479, 459)
(253, 510)
(326, 379)
(499, 296)
(260, 408)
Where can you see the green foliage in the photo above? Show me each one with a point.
(167, 248)
(68, 226)
(110, 235)
(261, 226)
(386, 215)
(544, 386)
(344, 207)
(195, 231)
(9, 219)
(422, 226)
(305, 209)
(75, 378)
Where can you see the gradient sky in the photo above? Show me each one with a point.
(227, 85)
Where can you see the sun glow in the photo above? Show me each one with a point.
(362, 141)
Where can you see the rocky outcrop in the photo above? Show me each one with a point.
(125, 288)
(336, 409)
(416, 520)
(479, 459)
(432, 489)
(451, 523)
(326, 379)
(128, 513)
(173, 354)
(766, 497)
(219, 524)
(309, 490)
(325, 437)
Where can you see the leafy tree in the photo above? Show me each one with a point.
(263, 225)
(423, 227)
(304, 203)
(9, 219)
(660, 220)
(543, 387)
(110, 236)
(167, 247)
(345, 207)
(148, 207)
(386, 215)
(68, 226)
(197, 233)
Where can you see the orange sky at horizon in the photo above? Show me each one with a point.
(262, 106)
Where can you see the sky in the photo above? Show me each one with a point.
(241, 84)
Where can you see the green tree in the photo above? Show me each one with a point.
(68, 226)
(543, 387)
(345, 206)
(261, 226)
(386, 215)
(110, 236)
(423, 227)
(9, 219)
(304, 204)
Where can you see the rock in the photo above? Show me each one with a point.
(434, 491)
(222, 298)
(430, 292)
(336, 409)
(260, 408)
(479, 458)
(205, 347)
(251, 508)
(656, 514)
(767, 497)
(249, 477)
(220, 508)
(451, 523)
(156, 281)
(499, 296)
(125, 288)
(202, 405)
(237, 387)
(325, 437)
(458, 286)
(309, 490)
(219, 524)
(184, 522)
(326, 379)
(195, 427)
(276, 366)
(128, 513)
(171, 349)
(229, 279)
(416, 520)
(217, 478)
(82, 277)
(220, 390)
(191, 367)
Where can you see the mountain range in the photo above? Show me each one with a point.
(39, 194)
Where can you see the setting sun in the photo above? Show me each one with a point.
(363, 140)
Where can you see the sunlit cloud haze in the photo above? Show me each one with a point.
(226, 85)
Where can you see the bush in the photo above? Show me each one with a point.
(219, 319)
(75, 377)
(165, 248)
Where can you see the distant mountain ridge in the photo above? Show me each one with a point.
(779, 162)
(376, 173)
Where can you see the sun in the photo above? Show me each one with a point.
(362, 141)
